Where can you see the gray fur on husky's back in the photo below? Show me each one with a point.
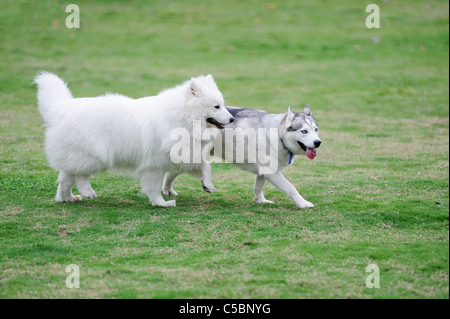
(255, 118)
(259, 118)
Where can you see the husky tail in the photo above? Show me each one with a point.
(51, 92)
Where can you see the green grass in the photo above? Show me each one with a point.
(380, 182)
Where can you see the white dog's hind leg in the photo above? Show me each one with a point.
(64, 193)
(151, 183)
(168, 184)
(283, 184)
(260, 181)
(84, 186)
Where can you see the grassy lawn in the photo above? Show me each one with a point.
(380, 181)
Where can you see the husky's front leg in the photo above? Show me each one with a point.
(260, 181)
(151, 183)
(283, 184)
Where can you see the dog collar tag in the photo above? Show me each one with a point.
(290, 158)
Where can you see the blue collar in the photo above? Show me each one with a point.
(290, 153)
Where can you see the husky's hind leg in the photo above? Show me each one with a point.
(168, 184)
(151, 183)
(64, 193)
(84, 186)
(260, 181)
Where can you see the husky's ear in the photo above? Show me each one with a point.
(307, 110)
(195, 88)
(289, 117)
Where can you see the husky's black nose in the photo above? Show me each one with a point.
(317, 143)
(231, 119)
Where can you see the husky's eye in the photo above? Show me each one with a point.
(290, 129)
(217, 107)
(304, 132)
(317, 129)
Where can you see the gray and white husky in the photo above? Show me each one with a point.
(296, 133)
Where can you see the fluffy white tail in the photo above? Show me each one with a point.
(51, 91)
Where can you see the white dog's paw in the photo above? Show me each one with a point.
(89, 194)
(73, 198)
(263, 201)
(208, 187)
(169, 192)
(169, 203)
(305, 204)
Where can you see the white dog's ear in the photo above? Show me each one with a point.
(307, 110)
(289, 117)
(195, 88)
(210, 78)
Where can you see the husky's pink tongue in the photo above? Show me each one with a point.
(310, 153)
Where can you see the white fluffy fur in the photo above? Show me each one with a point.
(85, 136)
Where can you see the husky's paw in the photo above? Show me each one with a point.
(305, 204)
(209, 188)
(169, 203)
(169, 192)
(89, 194)
(263, 201)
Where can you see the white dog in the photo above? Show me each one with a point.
(85, 136)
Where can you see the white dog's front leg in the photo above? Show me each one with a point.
(283, 184)
(64, 192)
(168, 184)
(151, 183)
(206, 178)
(84, 186)
(260, 181)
